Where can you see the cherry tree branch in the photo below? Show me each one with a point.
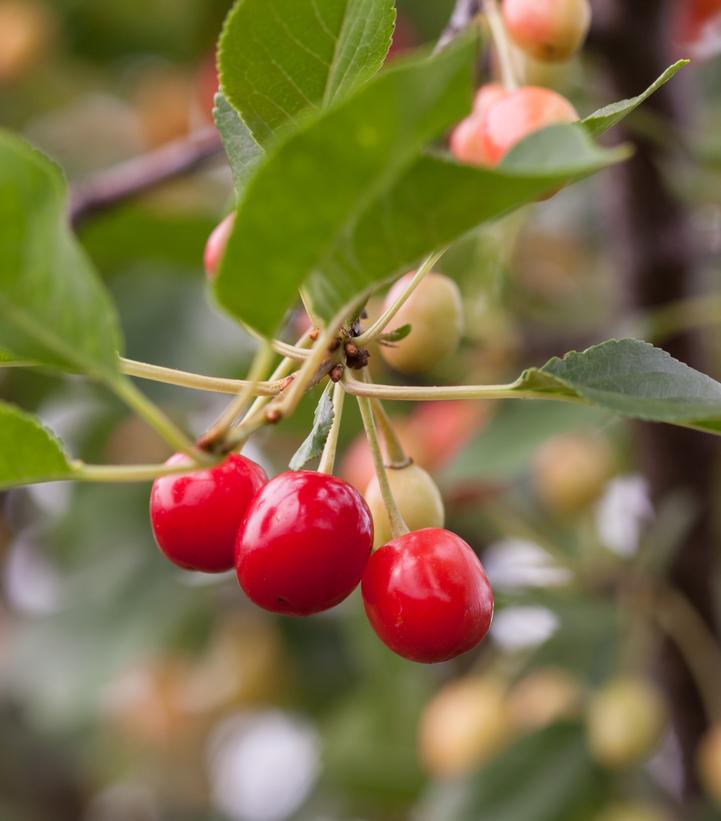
(463, 15)
(122, 182)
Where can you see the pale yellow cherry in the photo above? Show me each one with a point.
(417, 497)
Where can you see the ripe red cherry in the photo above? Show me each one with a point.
(215, 246)
(196, 516)
(304, 543)
(427, 596)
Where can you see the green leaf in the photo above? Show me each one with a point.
(559, 782)
(316, 184)
(316, 439)
(28, 452)
(611, 115)
(631, 378)
(280, 58)
(243, 152)
(436, 200)
(397, 335)
(53, 309)
(504, 448)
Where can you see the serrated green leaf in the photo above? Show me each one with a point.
(318, 182)
(436, 201)
(611, 115)
(53, 309)
(632, 378)
(316, 439)
(396, 335)
(28, 452)
(280, 58)
(243, 152)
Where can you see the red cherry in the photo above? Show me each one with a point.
(427, 596)
(304, 543)
(196, 516)
(215, 246)
(519, 113)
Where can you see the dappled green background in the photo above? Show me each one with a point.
(129, 690)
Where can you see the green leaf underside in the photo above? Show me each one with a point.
(281, 58)
(632, 378)
(611, 115)
(243, 152)
(319, 181)
(53, 309)
(316, 439)
(28, 452)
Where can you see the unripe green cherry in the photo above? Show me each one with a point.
(549, 30)
(417, 497)
(625, 721)
(435, 313)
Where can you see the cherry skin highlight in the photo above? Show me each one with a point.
(427, 596)
(304, 543)
(466, 140)
(216, 244)
(196, 516)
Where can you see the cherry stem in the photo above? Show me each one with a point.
(196, 381)
(502, 44)
(327, 460)
(681, 622)
(127, 473)
(396, 455)
(379, 326)
(154, 416)
(399, 393)
(398, 525)
(260, 366)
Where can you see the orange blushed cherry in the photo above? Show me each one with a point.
(215, 247)
(487, 135)
(196, 516)
(548, 30)
(427, 597)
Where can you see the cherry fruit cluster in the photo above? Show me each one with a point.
(503, 115)
(301, 543)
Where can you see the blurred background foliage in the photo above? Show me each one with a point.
(129, 690)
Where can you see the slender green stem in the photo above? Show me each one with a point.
(686, 314)
(127, 473)
(678, 618)
(290, 351)
(397, 457)
(17, 363)
(398, 525)
(196, 381)
(151, 413)
(502, 43)
(286, 404)
(379, 326)
(327, 459)
(423, 394)
(261, 364)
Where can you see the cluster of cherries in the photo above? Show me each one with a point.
(301, 543)
(544, 30)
